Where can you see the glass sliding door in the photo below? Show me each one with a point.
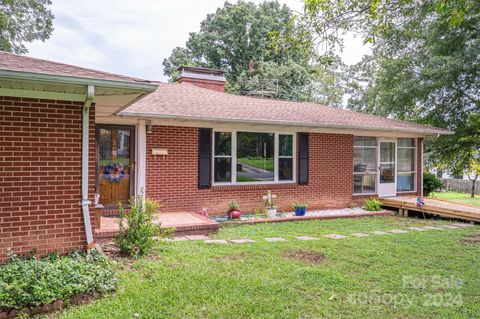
(114, 164)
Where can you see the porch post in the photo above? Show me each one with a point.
(141, 156)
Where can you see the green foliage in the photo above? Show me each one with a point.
(233, 205)
(238, 34)
(424, 67)
(372, 205)
(24, 21)
(296, 205)
(430, 183)
(138, 227)
(28, 282)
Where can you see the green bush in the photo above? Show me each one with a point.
(373, 205)
(430, 183)
(137, 228)
(29, 282)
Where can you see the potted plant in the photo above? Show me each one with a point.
(234, 210)
(300, 208)
(271, 211)
(269, 206)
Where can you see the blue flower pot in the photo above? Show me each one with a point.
(300, 211)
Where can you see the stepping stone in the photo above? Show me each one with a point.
(449, 227)
(197, 237)
(359, 235)
(379, 232)
(417, 228)
(334, 236)
(433, 228)
(216, 241)
(307, 238)
(242, 241)
(397, 231)
(274, 239)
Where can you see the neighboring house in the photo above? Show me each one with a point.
(69, 133)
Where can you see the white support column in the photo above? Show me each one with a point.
(141, 156)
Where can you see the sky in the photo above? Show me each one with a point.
(132, 37)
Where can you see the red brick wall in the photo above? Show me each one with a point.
(40, 175)
(173, 179)
(206, 84)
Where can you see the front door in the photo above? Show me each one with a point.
(387, 168)
(114, 164)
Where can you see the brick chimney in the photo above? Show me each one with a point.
(212, 79)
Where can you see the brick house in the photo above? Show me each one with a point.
(71, 136)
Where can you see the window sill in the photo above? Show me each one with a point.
(365, 194)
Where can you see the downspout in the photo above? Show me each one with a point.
(85, 144)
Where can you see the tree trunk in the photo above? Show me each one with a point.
(472, 194)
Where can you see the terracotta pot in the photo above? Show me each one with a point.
(234, 214)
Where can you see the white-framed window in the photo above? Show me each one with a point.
(364, 165)
(251, 157)
(407, 164)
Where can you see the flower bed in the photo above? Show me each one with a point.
(32, 285)
(282, 215)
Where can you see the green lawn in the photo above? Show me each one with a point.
(266, 280)
(458, 197)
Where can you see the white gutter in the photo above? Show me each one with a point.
(77, 80)
(85, 141)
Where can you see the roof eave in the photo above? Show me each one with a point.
(426, 132)
(75, 80)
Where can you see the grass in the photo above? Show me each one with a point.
(265, 280)
(463, 198)
(261, 163)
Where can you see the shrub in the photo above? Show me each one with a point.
(137, 228)
(373, 205)
(30, 282)
(430, 183)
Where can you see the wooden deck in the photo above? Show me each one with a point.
(432, 206)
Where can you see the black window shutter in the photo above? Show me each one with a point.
(204, 157)
(303, 159)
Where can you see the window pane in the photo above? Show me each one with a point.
(364, 141)
(387, 173)
(363, 184)
(406, 159)
(223, 169)
(285, 169)
(387, 152)
(286, 145)
(405, 182)
(223, 143)
(364, 160)
(255, 160)
(406, 142)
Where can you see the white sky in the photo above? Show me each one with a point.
(133, 37)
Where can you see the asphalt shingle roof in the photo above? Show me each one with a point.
(15, 62)
(186, 101)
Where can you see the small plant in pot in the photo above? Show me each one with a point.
(234, 210)
(300, 208)
(269, 206)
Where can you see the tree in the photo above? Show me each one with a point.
(24, 21)
(473, 172)
(425, 65)
(240, 34)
